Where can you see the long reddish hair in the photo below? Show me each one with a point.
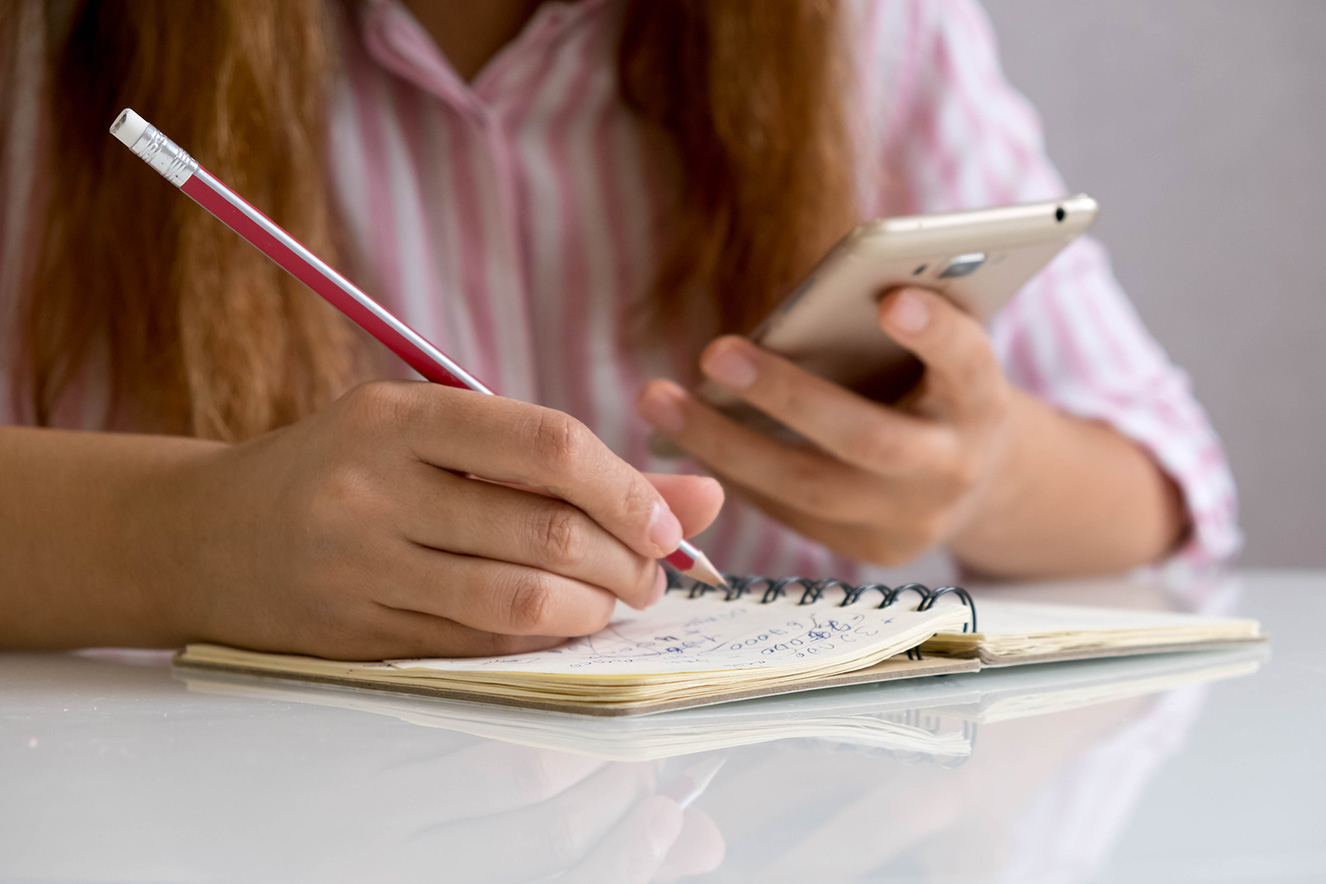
(202, 335)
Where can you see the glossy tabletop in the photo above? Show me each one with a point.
(116, 767)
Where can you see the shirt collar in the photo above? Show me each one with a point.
(395, 40)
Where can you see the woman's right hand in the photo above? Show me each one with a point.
(360, 532)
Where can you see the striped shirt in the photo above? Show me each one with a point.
(509, 220)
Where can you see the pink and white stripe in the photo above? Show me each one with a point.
(509, 221)
(555, 157)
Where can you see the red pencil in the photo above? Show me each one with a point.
(182, 170)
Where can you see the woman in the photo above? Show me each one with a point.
(572, 199)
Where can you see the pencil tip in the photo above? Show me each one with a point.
(704, 571)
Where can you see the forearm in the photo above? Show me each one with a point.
(95, 531)
(1072, 497)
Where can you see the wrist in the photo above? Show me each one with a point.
(166, 509)
(985, 529)
(1069, 496)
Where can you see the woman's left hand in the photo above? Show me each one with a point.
(880, 484)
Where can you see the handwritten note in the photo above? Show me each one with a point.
(682, 634)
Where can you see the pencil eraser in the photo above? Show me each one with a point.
(128, 127)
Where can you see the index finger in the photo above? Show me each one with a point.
(511, 441)
(848, 426)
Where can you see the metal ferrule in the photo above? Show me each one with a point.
(165, 156)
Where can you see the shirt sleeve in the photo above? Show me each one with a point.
(960, 136)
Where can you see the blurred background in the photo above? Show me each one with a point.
(1200, 127)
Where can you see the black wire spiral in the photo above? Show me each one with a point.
(812, 591)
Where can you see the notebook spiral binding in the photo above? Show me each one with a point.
(813, 591)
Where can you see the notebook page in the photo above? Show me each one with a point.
(707, 634)
(1022, 618)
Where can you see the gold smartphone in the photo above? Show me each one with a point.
(977, 259)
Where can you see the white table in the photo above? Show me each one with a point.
(116, 769)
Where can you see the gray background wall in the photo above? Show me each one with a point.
(1200, 127)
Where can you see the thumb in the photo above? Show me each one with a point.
(695, 500)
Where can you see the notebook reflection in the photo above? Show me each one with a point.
(931, 718)
(1020, 774)
(256, 780)
(774, 785)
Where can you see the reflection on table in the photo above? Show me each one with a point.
(1022, 775)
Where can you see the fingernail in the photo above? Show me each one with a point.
(730, 367)
(664, 529)
(661, 407)
(664, 827)
(909, 312)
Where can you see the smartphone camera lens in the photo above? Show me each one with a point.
(1059, 214)
(962, 265)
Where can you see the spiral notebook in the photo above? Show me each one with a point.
(758, 637)
(695, 646)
